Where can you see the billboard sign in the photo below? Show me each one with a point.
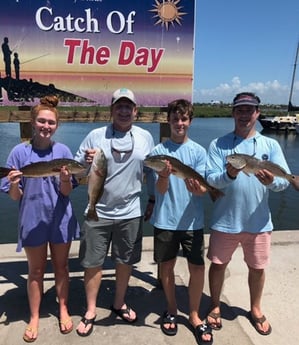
(83, 50)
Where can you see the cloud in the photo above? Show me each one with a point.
(270, 92)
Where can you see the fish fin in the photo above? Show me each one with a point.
(215, 194)
(294, 181)
(81, 179)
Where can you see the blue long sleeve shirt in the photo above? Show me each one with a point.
(245, 207)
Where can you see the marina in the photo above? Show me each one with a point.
(290, 121)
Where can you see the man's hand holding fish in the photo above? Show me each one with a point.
(89, 154)
(265, 177)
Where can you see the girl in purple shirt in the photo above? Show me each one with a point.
(46, 215)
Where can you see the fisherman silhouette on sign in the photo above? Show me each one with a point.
(6, 56)
(16, 63)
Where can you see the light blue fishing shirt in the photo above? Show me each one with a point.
(178, 209)
(245, 204)
(125, 152)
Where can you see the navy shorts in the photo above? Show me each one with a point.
(167, 244)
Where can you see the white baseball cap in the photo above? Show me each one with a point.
(123, 93)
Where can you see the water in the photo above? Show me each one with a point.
(202, 130)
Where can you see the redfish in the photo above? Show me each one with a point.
(182, 171)
(96, 180)
(47, 168)
(251, 165)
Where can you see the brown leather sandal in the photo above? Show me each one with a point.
(216, 326)
(256, 321)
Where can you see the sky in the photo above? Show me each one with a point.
(246, 46)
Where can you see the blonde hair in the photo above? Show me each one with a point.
(46, 103)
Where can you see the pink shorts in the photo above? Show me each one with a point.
(256, 247)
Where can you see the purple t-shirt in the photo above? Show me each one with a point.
(45, 215)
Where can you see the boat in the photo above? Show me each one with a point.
(290, 121)
(279, 123)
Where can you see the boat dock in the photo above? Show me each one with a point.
(280, 301)
(22, 116)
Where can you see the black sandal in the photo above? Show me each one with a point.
(86, 323)
(122, 312)
(169, 319)
(199, 331)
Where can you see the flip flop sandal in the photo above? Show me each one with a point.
(32, 331)
(86, 323)
(216, 326)
(169, 319)
(255, 321)
(122, 312)
(65, 323)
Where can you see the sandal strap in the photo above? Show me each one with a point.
(205, 329)
(87, 321)
(259, 320)
(126, 310)
(214, 315)
(31, 329)
(65, 321)
(169, 318)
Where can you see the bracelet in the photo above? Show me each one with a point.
(151, 201)
(231, 177)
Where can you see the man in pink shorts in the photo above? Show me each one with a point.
(242, 216)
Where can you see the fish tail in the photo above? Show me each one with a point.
(92, 214)
(294, 181)
(215, 194)
(4, 171)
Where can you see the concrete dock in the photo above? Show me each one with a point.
(280, 301)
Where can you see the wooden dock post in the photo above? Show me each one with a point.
(25, 131)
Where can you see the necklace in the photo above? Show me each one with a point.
(234, 146)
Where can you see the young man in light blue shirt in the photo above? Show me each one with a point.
(178, 220)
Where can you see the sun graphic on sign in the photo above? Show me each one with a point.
(168, 12)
